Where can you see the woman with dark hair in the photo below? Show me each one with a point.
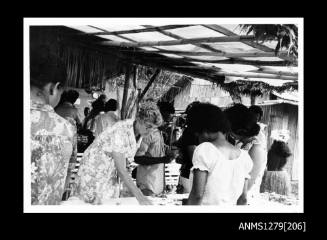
(220, 170)
(109, 118)
(276, 178)
(53, 138)
(186, 145)
(244, 134)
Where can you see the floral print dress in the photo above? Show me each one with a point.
(97, 178)
(52, 148)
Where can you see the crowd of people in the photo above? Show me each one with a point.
(222, 153)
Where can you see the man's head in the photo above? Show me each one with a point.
(48, 73)
(167, 110)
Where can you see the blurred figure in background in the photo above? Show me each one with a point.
(88, 130)
(66, 108)
(257, 110)
(87, 111)
(276, 178)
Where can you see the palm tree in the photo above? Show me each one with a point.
(286, 35)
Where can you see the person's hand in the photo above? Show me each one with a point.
(172, 154)
(242, 200)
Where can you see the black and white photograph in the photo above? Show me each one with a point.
(163, 115)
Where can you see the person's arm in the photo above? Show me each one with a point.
(242, 200)
(120, 164)
(259, 159)
(198, 187)
(145, 160)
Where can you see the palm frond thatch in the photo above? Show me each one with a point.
(285, 34)
(255, 88)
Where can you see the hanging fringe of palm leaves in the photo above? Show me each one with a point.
(88, 69)
(285, 34)
(253, 88)
(177, 88)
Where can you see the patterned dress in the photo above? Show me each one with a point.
(52, 148)
(102, 121)
(97, 178)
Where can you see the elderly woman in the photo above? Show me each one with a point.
(104, 163)
(151, 157)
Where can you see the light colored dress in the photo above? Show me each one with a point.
(226, 177)
(97, 178)
(151, 177)
(53, 146)
(102, 121)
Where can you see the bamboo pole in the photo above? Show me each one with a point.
(259, 75)
(246, 75)
(135, 77)
(179, 42)
(255, 63)
(148, 29)
(154, 76)
(220, 54)
(276, 72)
(126, 87)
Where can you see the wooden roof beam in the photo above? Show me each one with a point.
(178, 37)
(285, 73)
(152, 29)
(222, 54)
(255, 63)
(179, 42)
(245, 75)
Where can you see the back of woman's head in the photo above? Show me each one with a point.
(278, 155)
(242, 121)
(45, 67)
(149, 112)
(280, 148)
(206, 117)
(111, 105)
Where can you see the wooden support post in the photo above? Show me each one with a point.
(126, 87)
(154, 76)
